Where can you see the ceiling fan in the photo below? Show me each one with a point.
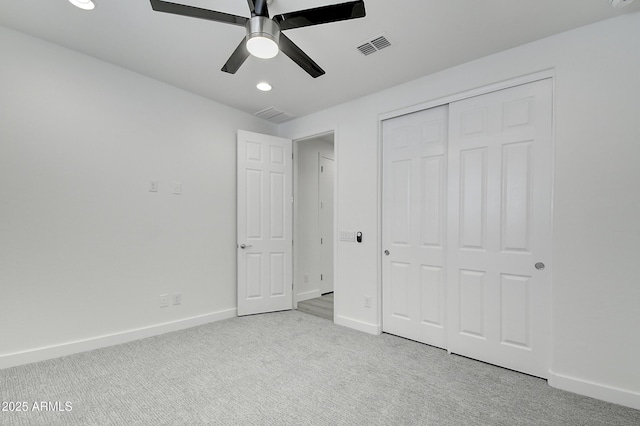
(264, 36)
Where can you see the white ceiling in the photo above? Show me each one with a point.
(426, 36)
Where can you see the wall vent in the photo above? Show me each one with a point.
(273, 114)
(372, 46)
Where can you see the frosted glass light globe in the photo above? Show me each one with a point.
(262, 47)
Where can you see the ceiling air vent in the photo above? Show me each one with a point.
(274, 115)
(367, 49)
(373, 45)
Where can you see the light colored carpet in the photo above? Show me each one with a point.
(320, 306)
(289, 368)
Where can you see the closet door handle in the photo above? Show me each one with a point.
(245, 246)
(387, 252)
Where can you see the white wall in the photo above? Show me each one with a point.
(307, 231)
(85, 248)
(597, 202)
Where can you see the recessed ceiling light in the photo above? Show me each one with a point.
(264, 86)
(83, 4)
(620, 3)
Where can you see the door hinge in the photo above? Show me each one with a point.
(321, 277)
(320, 240)
(321, 169)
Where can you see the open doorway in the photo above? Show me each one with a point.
(313, 221)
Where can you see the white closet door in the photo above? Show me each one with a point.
(500, 189)
(326, 172)
(414, 167)
(264, 227)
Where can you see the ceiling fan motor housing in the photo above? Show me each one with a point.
(260, 26)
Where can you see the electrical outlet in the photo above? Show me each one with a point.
(164, 300)
(306, 278)
(153, 186)
(367, 301)
(177, 188)
(177, 298)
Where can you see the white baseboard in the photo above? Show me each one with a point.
(69, 348)
(595, 390)
(313, 294)
(358, 325)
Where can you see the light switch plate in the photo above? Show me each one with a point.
(164, 300)
(349, 236)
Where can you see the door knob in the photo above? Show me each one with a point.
(244, 246)
(386, 253)
(539, 266)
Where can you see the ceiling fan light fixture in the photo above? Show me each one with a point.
(83, 4)
(263, 36)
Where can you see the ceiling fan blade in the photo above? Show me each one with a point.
(196, 12)
(299, 57)
(321, 15)
(237, 58)
(252, 7)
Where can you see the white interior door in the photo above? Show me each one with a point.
(500, 188)
(413, 222)
(325, 195)
(264, 225)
